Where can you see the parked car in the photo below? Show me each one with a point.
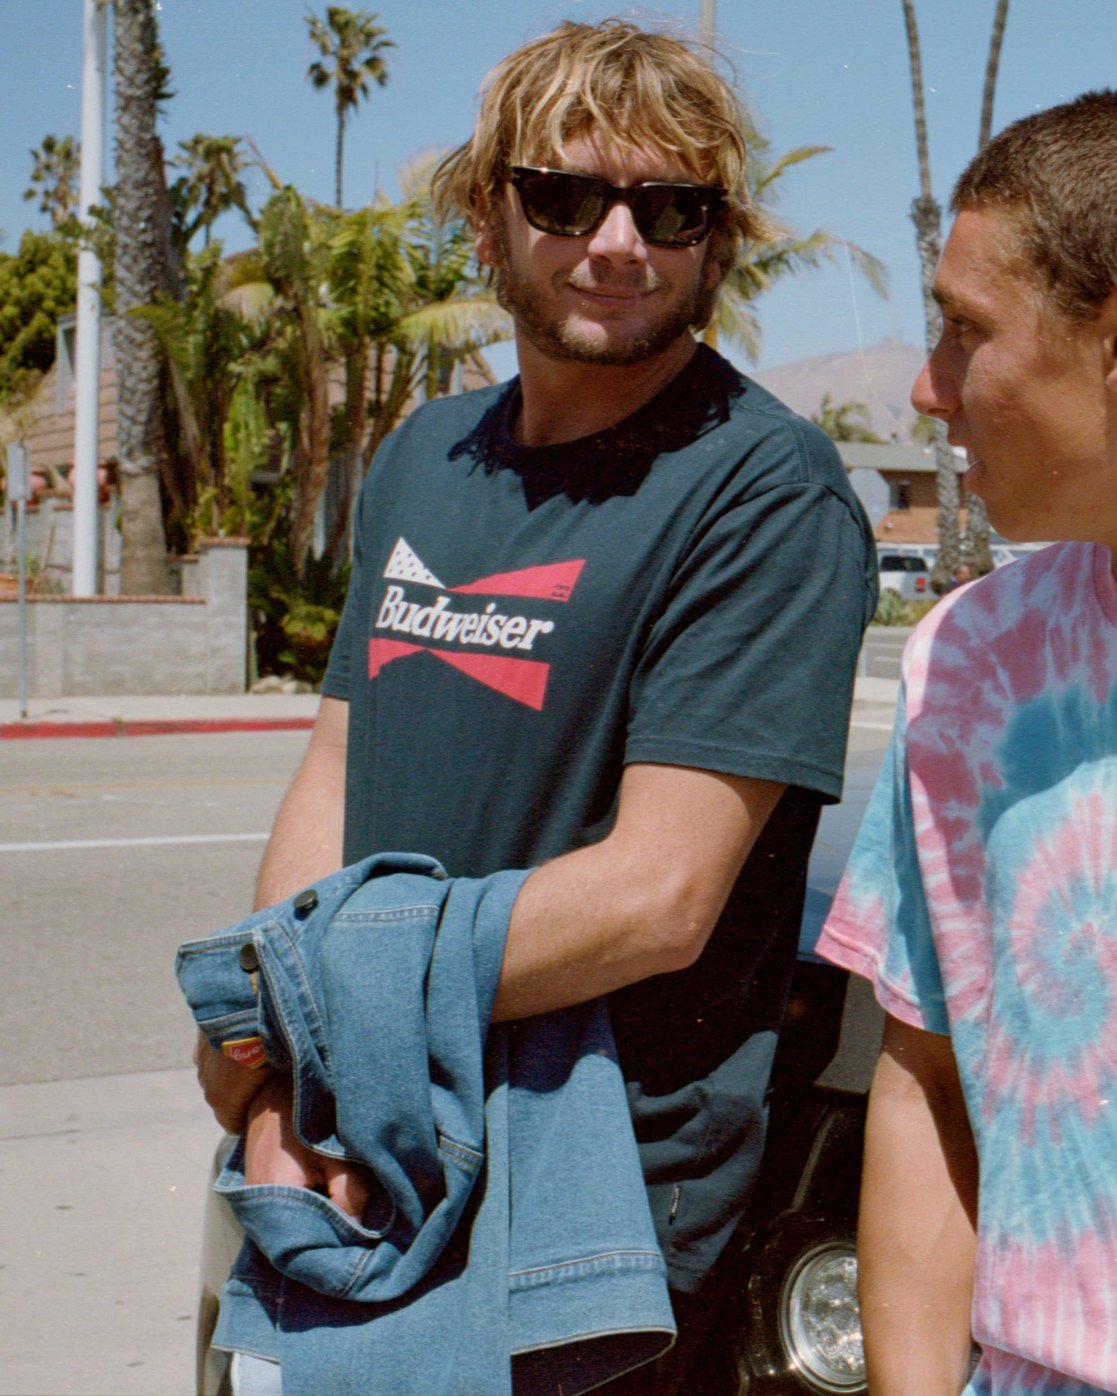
(906, 573)
(794, 1325)
(790, 1324)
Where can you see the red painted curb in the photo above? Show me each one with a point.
(153, 727)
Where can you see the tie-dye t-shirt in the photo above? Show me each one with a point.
(981, 901)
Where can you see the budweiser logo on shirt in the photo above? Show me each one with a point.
(482, 641)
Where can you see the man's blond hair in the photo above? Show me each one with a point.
(627, 88)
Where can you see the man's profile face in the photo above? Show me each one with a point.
(1022, 388)
(608, 297)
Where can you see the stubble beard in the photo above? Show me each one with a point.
(556, 337)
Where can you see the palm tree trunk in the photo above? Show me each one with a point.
(976, 515)
(927, 217)
(401, 385)
(339, 157)
(140, 274)
(992, 63)
(313, 460)
(977, 520)
(346, 473)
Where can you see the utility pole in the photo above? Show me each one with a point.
(708, 24)
(18, 477)
(707, 37)
(87, 366)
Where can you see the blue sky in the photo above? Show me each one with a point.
(816, 72)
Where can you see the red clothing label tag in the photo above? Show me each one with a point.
(246, 1051)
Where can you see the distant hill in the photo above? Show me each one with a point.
(880, 376)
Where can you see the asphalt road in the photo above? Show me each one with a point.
(112, 852)
(880, 654)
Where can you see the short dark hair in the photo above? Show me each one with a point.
(1055, 174)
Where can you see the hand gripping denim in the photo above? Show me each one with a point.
(507, 1246)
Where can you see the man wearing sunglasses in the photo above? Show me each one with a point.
(603, 623)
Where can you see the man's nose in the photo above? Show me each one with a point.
(931, 393)
(616, 237)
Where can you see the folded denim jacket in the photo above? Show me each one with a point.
(507, 1245)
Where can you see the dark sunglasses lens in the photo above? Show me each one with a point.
(563, 204)
(671, 216)
(572, 205)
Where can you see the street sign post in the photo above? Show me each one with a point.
(19, 480)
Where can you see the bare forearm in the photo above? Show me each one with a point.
(305, 844)
(306, 839)
(916, 1239)
(642, 902)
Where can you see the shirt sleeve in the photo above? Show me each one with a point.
(879, 926)
(749, 667)
(353, 626)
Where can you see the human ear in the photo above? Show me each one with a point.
(1107, 318)
(485, 239)
(714, 270)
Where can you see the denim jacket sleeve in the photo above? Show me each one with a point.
(373, 990)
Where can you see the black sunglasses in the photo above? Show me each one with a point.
(573, 205)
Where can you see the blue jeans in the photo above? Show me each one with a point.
(254, 1376)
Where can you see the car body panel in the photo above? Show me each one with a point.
(906, 573)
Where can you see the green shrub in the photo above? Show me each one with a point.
(890, 608)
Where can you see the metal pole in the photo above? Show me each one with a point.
(87, 367)
(18, 481)
(707, 37)
(21, 524)
(708, 24)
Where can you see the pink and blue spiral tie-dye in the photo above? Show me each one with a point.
(981, 900)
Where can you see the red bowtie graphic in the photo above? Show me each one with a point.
(477, 632)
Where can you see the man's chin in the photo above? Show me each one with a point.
(608, 345)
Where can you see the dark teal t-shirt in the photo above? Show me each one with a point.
(690, 588)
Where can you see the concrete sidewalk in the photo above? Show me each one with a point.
(104, 1181)
(131, 716)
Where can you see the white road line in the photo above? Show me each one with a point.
(59, 845)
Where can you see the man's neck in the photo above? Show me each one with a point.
(564, 401)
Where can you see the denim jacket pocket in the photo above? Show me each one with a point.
(306, 1236)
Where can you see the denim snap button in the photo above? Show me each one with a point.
(305, 902)
(248, 959)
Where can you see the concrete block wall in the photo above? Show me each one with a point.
(50, 542)
(111, 644)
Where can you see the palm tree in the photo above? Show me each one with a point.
(992, 63)
(977, 516)
(211, 184)
(926, 214)
(294, 255)
(142, 274)
(54, 179)
(409, 305)
(383, 300)
(352, 46)
(210, 338)
(783, 252)
(845, 421)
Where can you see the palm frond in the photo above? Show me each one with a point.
(458, 325)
